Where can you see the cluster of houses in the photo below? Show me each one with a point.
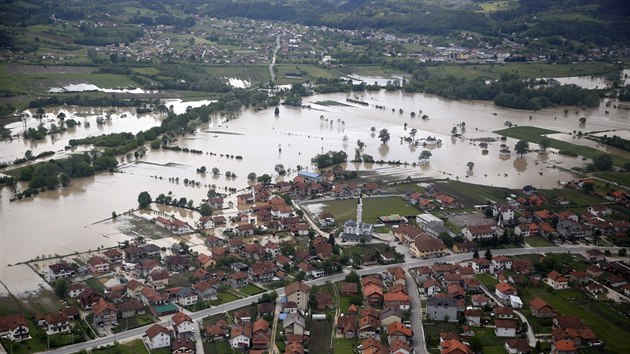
(179, 338)
(432, 199)
(250, 330)
(454, 294)
(385, 313)
(421, 243)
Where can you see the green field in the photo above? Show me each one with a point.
(256, 74)
(344, 210)
(472, 194)
(609, 322)
(535, 135)
(527, 70)
(622, 178)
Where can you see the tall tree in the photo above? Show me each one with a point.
(384, 136)
(522, 147)
(488, 254)
(425, 155)
(144, 200)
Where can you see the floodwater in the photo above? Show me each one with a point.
(585, 141)
(120, 119)
(67, 220)
(85, 87)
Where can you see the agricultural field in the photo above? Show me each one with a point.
(528, 70)
(321, 332)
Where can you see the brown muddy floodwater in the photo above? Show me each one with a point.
(67, 220)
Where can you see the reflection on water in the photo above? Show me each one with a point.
(67, 220)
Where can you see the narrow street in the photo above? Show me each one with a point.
(531, 337)
(273, 60)
(274, 326)
(419, 342)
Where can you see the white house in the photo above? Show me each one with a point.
(158, 337)
(501, 263)
(182, 323)
(516, 302)
(478, 232)
(505, 211)
(505, 328)
(241, 336)
(504, 291)
(557, 280)
(187, 297)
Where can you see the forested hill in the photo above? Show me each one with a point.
(600, 22)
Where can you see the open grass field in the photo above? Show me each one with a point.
(535, 135)
(370, 70)
(473, 194)
(622, 178)
(576, 196)
(310, 72)
(255, 73)
(344, 210)
(32, 79)
(321, 331)
(610, 323)
(527, 70)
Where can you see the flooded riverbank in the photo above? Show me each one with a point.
(62, 221)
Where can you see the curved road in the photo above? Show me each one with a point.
(197, 316)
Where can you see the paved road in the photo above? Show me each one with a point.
(531, 337)
(413, 263)
(273, 60)
(419, 342)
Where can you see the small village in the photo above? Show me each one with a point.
(313, 282)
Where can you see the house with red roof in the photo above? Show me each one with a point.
(557, 280)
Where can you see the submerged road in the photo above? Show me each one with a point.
(197, 316)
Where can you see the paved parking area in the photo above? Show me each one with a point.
(469, 218)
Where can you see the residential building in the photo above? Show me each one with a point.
(298, 293)
(442, 309)
(14, 327)
(158, 337)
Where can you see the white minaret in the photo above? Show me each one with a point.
(360, 209)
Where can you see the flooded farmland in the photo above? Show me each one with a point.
(68, 220)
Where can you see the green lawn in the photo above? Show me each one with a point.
(223, 297)
(609, 322)
(344, 210)
(535, 135)
(365, 248)
(136, 322)
(345, 346)
(575, 196)
(537, 241)
(487, 280)
(222, 347)
(251, 289)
